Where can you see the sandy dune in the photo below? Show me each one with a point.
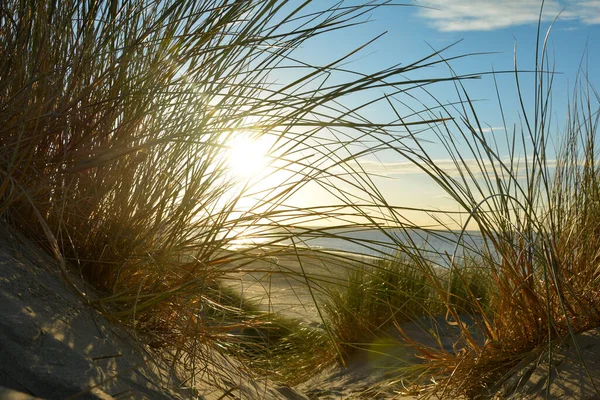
(54, 346)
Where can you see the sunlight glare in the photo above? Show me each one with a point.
(246, 156)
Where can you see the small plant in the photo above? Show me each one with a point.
(285, 350)
(471, 288)
(374, 298)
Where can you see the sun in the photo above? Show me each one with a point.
(246, 157)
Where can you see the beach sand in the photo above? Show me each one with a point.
(53, 345)
(567, 376)
(287, 282)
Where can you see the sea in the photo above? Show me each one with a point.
(436, 245)
(288, 295)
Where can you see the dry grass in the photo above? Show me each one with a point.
(537, 212)
(393, 292)
(114, 118)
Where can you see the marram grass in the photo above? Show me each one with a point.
(114, 118)
(537, 213)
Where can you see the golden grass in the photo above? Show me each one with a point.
(114, 118)
(537, 213)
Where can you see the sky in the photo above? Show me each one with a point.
(493, 33)
(484, 36)
(488, 26)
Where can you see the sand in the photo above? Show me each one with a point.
(567, 377)
(55, 346)
(278, 283)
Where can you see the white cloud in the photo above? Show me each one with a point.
(391, 169)
(491, 129)
(590, 11)
(396, 169)
(484, 15)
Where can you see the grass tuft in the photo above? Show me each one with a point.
(117, 121)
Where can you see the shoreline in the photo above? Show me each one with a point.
(280, 284)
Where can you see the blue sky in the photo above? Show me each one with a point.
(495, 28)
(491, 33)
(481, 27)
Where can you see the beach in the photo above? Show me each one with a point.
(287, 281)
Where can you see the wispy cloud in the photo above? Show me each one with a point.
(485, 15)
(590, 11)
(491, 129)
(397, 169)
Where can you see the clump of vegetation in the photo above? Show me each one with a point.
(531, 282)
(115, 120)
(389, 293)
(470, 289)
(374, 298)
(284, 349)
(537, 213)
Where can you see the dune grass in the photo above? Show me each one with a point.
(374, 298)
(536, 215)
(283, 349)
(114, 121)
(392, 292)
(536, 207)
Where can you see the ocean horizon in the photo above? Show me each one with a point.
(388, 242)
